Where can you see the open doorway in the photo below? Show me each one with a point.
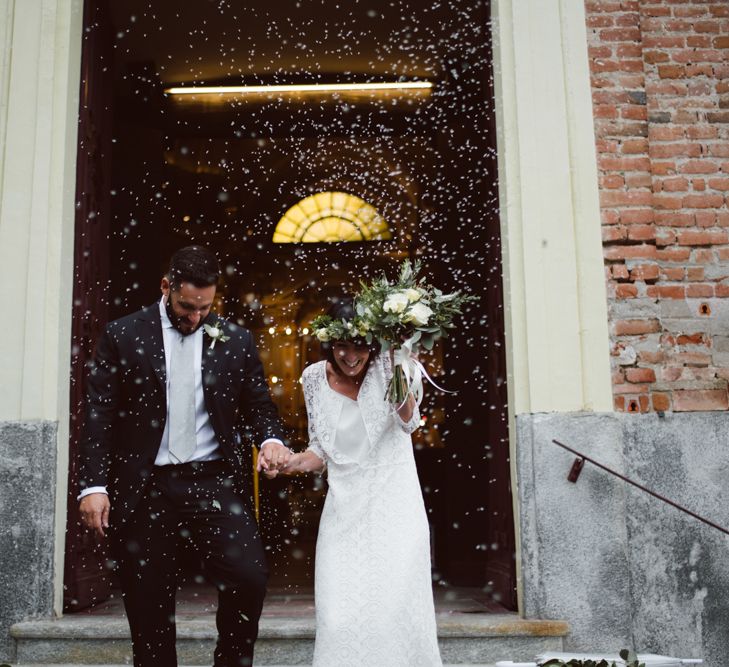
(302, 195)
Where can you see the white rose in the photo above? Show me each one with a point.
(322, 335)
(214, 332)
(413, 295)
(419, 315)
(396, 303)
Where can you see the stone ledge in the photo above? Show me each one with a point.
(449, 625)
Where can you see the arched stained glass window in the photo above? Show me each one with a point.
(327, 217)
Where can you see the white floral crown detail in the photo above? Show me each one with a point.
(326, 328)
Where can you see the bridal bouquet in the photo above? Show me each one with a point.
(405, 316)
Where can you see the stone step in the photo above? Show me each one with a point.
(465, 639)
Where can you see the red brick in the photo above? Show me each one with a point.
(630, 389)
(612, 181)
(626, 291)
(673, 273)
(661, 401)
(721, 42)
(698, 184)
(674, 184)
(663, 168)
(719, 183)
(716, 237)
(664, 42)
(610, 163)
(702, 69)
(635, 146)
(636, 327)
(636, 216)
(699, 41)
(673, 254)
(640, 375)
(638, 180)
(691, 359)
(671, 71)
(695, 273)
(703, 256)
(719, 150)
(699, 167)
(665, 237)
(655, 10)
(666, 133)
(642, 251)
(721, 10)
(706, 218)
(666, 291)
(648, 357)
(644, 272)
(702, 201)
(614, 233)
(621, 198)
(701, 399)
(609, 217)
(620, 35)
(641, 232)
(667, 202)
(721, 290)
(698, 55)
(674, 150)
(698, 291)
(701, 132)
(671, 373)
(686, 11)
(673, 219)
(619, 272)
(634, 112)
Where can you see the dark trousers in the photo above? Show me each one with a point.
(191, 506)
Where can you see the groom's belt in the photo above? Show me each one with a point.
(194, 469)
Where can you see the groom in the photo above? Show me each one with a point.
(171, 392)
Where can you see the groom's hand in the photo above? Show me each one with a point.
(94, 510)
(272, 458)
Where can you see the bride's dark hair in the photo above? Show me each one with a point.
(343, 309)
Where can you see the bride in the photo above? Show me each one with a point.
(374, 601)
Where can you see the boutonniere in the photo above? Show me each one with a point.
(216, 333)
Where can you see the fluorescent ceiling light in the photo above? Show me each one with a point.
(298, 88)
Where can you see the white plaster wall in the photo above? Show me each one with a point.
(40, 57)
(557, 326)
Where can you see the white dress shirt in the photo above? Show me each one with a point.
(207, 447)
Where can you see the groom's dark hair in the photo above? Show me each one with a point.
(194, 264)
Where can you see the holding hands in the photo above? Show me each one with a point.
(273, 458)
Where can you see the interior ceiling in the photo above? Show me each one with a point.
(274, 40)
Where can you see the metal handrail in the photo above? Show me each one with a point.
(579, 463)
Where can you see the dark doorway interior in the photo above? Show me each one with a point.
(157, 172)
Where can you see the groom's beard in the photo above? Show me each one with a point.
(177, 321)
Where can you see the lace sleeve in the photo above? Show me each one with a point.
(412, 424)
(309, 385)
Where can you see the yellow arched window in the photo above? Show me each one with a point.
(327, 217)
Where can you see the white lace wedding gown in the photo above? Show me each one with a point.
(374, 602)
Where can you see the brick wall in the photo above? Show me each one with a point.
(660, 88)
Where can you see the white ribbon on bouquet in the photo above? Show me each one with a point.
(414, 371)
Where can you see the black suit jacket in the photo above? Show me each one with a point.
(126, 406)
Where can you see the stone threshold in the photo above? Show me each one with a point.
(203, 627)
